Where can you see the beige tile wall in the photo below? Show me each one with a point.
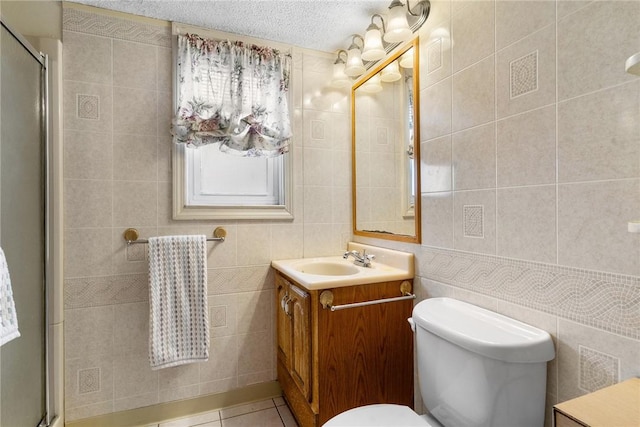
(530, 122)
(117, 111)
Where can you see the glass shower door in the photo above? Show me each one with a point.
(22, 360)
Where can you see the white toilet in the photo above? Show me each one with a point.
(476, 368)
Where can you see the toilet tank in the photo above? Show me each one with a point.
(477, 368)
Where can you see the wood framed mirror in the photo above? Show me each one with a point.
(386, 148)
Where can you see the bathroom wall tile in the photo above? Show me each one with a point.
(87, 203)
(178, 393)
(87, 58)
(341, 167)
(437, 219)
(132, 376)
(218, 386)
(316, 164)
(87, 155)
(526, 223)
(383, 166)
(599, 135)
(105, 290)
(435, 110)
(131, 328)
(164, 166)
(314, 86)
(135, 203)
(317, 205)
(237, 410)
(132, 402)
(223, 315)
(164, 69)
(435, 52)
(88, 331)
(286, 241)
(254, 311)
(425, 288)
(527, 148)
(101, 380)
(178, 377)
(435, 165)
(135, 157)
(518, 19)
(254, 244)
(87, 252)
(253, 349)
(341, 204)
(474, 158)
(320, 240)
(87, 107)
(473, 30)
(134, 65)
(165, 113)
(572, 337)
(223, 359)
(567, 7)
(474, 95)
(317, 128)
(135, 111)
(241, 279)
(592, 230)
(88, 411)
(476, 299)
(587, 60)
(482, 198)
(526, 73)
(165, 205)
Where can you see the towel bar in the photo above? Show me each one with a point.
(326, 299)
(131, 236)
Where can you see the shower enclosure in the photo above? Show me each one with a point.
(24, 372)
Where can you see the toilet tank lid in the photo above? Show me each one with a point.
(484, 332)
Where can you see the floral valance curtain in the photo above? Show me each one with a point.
(233, 95)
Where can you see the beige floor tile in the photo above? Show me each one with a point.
(248, 408)
(264, 418)
(287, 417)
(195, 420)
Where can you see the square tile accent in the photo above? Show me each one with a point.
(136, 253)
(382, 136)
(473, 221)
(88, 380)
(597, 370)
(317, 129)
(434, 56)
(219, 316)
(88, 107)
(524, 74)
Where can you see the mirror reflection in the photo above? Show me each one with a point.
(386, 149)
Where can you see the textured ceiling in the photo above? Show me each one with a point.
(324, 25)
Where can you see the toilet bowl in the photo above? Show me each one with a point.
(476, 368)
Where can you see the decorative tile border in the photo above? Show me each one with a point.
(109, 26)
(597, 369)
(610, 302)
(84, 292)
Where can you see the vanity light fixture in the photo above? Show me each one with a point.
(372, 85)
(339, 78)
(390, 73)
(373, 49)
(406, 60)
(398, 27)
(354, 66)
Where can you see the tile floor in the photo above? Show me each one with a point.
(265, 413)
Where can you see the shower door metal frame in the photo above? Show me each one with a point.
(43, 60)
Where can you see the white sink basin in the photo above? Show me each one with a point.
(334, 271)
(326, 268)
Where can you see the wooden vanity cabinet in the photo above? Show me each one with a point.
(329, 362)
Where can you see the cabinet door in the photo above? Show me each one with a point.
(301, 339)
(283, 305)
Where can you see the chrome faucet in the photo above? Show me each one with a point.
(363, 260)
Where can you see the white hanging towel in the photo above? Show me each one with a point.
(8, 316)
(178, 313)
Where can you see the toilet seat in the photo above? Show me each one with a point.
(381, 415)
